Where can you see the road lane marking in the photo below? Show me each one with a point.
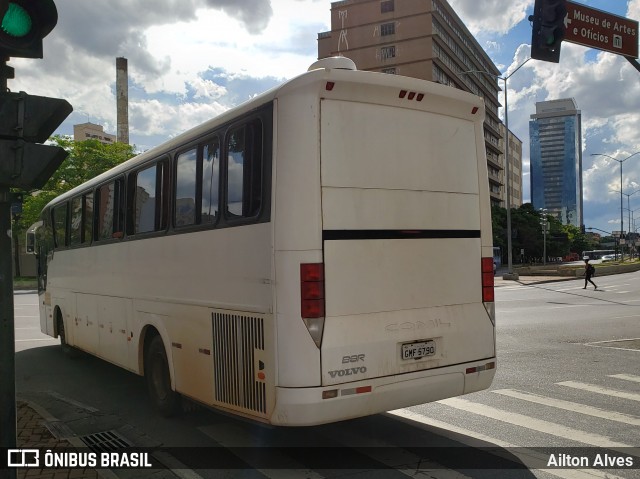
(238, 439)
(539, 425)
(527, 456)
(571, 406)
(626, 377)
(601, 390)
(392, 455)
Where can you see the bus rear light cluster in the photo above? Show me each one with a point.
(410, 95)
(482, 367)
(487, 280)
(334, 393)
(312, 299)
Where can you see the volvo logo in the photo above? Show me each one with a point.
(348, 371)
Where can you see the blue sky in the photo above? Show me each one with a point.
(190, 60)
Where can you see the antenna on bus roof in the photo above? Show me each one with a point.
(341, 63)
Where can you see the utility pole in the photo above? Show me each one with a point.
(26, 121)
(8, 426)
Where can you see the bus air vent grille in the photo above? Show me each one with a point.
(236, 339)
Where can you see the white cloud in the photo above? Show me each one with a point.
(491, 16)
(190, 60)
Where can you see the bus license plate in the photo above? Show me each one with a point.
(419, 349)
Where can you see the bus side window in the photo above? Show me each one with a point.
(75, 237)
(60, 225)
(87, 218)
(244, 170)
(146, 201)
(110, 211)
(210, 182)
(185, 199)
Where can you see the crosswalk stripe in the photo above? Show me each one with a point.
(527, 456)
(626, 377)
(536, 424)
(393, 454)
(601, 390)
(571, 406)
(233, 437)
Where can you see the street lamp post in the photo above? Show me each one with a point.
(621, 217)
(510, 275)
(628, 195)
(544, 222)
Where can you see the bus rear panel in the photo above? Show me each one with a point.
(403, 243)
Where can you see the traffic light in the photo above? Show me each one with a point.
(548, 29)
(24, 24)
(25, 121)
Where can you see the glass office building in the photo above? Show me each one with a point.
(555, 134)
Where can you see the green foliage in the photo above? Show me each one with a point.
(526, 234)
(86, 160)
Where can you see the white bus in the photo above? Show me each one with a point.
(322, 252)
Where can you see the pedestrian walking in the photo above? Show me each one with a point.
(589, 271)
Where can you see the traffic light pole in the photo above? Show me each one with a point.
(8, 425)
(7, 333)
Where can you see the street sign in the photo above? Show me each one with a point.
(597, 29)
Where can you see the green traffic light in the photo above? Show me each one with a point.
(17, 21)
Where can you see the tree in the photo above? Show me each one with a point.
(526, 234)
(87, 159)
(579, 241)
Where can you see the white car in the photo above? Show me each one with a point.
(608, 257)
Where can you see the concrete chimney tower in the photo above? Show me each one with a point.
(122, 100)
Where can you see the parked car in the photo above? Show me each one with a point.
(571, 257)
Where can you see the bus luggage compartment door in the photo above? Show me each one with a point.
(402, 305)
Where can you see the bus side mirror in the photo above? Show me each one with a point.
(31, 241)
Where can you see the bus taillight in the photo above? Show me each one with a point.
(487, 280)
(312, 299)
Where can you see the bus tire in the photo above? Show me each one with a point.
(67, 349)
(156, 373)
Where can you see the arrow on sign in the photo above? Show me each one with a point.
(567, 21)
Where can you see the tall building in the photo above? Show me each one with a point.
(422, 39)
(91, 131)
(515, 166)
(555, 133)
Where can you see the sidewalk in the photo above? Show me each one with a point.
(37, 428)
(33, 433)
(526, 280)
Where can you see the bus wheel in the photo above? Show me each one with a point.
(68, 350)
(156, 373)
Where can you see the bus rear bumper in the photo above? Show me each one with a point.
(306, 406)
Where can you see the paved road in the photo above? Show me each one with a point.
(568, 377)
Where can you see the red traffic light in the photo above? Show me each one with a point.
(24, 24)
